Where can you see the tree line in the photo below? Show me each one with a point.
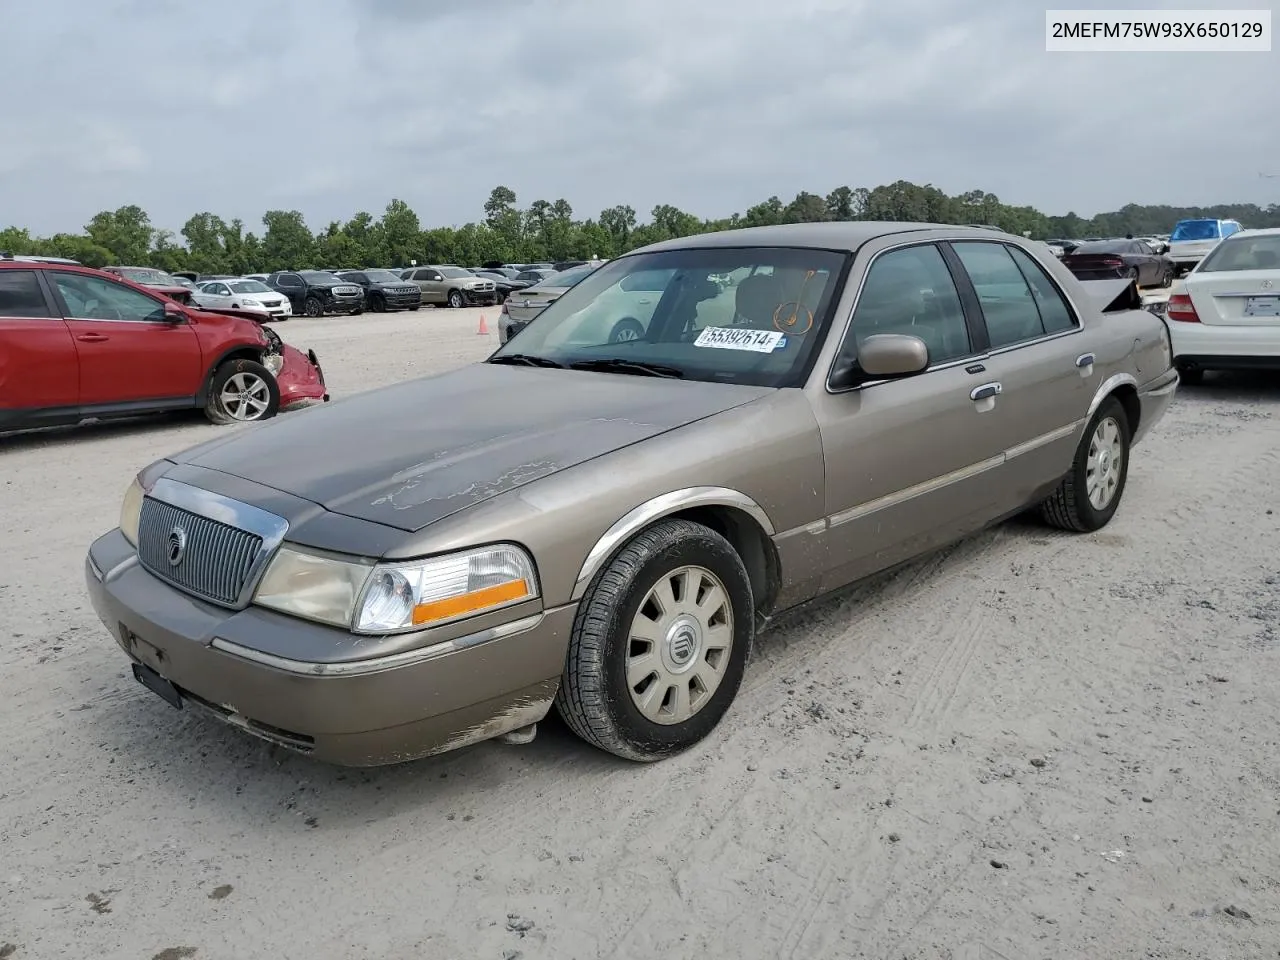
(546, 230)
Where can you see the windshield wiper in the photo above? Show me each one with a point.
(525, 360)
(620, 365)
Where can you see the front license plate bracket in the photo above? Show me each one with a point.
(158, 685)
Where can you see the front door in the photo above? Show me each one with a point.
(128, 351)
(912, 462)
(39, 370)
(1042, 360)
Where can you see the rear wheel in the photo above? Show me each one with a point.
(626, 329)
(660, 643)
(242, 391)
(455, 299)
(1089, 495)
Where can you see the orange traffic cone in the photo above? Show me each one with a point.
(484, 327)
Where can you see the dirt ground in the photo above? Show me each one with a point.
(1031, 745)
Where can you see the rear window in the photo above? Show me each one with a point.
(1196, 230)
(1243, 253)
(20, 294)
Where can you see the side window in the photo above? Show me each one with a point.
(1055, 312)
(1011, 312)
(433, 275)
(220, 290)
(910, 291)
(93, 298)
(289, 280)
(20, 294)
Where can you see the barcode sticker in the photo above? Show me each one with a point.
(728, 338)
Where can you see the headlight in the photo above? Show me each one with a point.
(131, 511)
(274, 362)
(395, 597)
(426, 593)
(312, 586)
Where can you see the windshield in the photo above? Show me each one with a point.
(752, 315)
(381, 276)
(248, 286)
(320, 276)
(1195, 230)
(148, 276)
(453, 273)
(1107, 246)
(1243, 253)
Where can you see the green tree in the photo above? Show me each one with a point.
(287, 243)
(126, 232)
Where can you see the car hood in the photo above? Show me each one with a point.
(416, 452)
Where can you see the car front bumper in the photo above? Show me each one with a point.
(480, 297)
(402, 301)
(388, 709)
(344, 305)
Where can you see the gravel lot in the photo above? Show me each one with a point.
(1031, 745)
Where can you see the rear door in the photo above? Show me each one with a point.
(38, 365)
(129, 352)
(1037, 356)
(911, 463)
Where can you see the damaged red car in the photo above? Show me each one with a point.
(82, 344)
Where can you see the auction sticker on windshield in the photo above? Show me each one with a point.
(727, 338)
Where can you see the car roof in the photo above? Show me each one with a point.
(844, 235)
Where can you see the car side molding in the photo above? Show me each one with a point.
(655, 509)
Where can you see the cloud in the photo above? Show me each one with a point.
(335, 106)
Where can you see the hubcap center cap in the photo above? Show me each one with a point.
(683, 644)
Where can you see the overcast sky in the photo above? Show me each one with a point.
(334, 106)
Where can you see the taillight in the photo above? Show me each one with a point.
(1113, 262)
(1182, 309)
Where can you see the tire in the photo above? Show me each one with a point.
(455, 299)
(414, 309)
(256, 381)
(1190, 376)
(1166, 278)
(1132, 274)
(1072, 507)
(313, 308)
(625, 330)
(377, 305)
(595, 698)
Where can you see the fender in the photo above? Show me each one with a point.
(258, 350)
(655, 509)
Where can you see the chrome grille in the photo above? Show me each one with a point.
(216, 560)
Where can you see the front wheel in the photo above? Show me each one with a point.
(660, 643)
(455, 299)
(1089, 495)
(313, 307)
(242, 391)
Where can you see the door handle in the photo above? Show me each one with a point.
(92, 338)
(1085, 360)
(985, 392)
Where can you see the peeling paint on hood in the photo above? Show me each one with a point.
(416, 452)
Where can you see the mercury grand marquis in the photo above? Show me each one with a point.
(604, 527)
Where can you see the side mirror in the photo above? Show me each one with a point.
(881, 356)
(174, 313)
